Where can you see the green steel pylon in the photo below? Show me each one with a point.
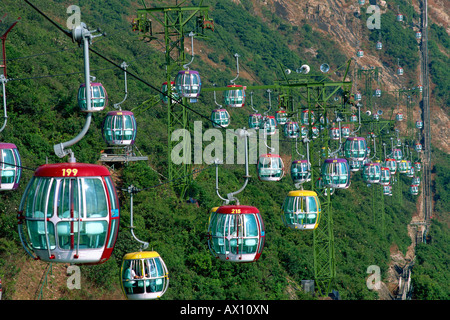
(319, 97)
(175, 24)
(369, 74)
(410, 96)
(323, 96)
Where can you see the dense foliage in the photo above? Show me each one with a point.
(430, 277)
(46, 68)
(438, 48)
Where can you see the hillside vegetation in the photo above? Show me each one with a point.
(45, 69)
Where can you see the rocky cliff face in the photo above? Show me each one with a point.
(340, 19)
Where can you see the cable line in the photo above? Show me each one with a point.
(167, 182)
(39, 54)
(69, 34)
(56, 75)
(15, 165)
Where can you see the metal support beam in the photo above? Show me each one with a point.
(5, 27)
(174, 24)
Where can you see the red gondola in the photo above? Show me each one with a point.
(235, 96)
(237, 233)
(385, 176)
(281, 117)
(164, 89)
(69, 213)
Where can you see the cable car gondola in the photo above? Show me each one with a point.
(315, 132)
(188, 84)
(144, 275)
(235, 96)
(321, 187)
(336, 173)
(270, 167)
(391, 164)
(220, 117)
(254, 121)
(236, 233)
(345, 131)
(372, 172)
(300, 171)
(69, 213)
(397, 154)
(355, 148)
(119, 128)
(308, 117)
(354, 165)
(418, 146)
(301, 210)
(414, 189)
(303, 132)
(377, 92)
(99, 97)
(269, 124)
(387, 190)
(10, 166)
(417, 166)
(385, 178)
(291, 130)
(410, 172)
(281, 117)
(323, 121)
(403, 166)
(165, 89)
(335, 133)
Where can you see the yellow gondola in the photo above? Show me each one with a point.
(144, 275)
(301, 210)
